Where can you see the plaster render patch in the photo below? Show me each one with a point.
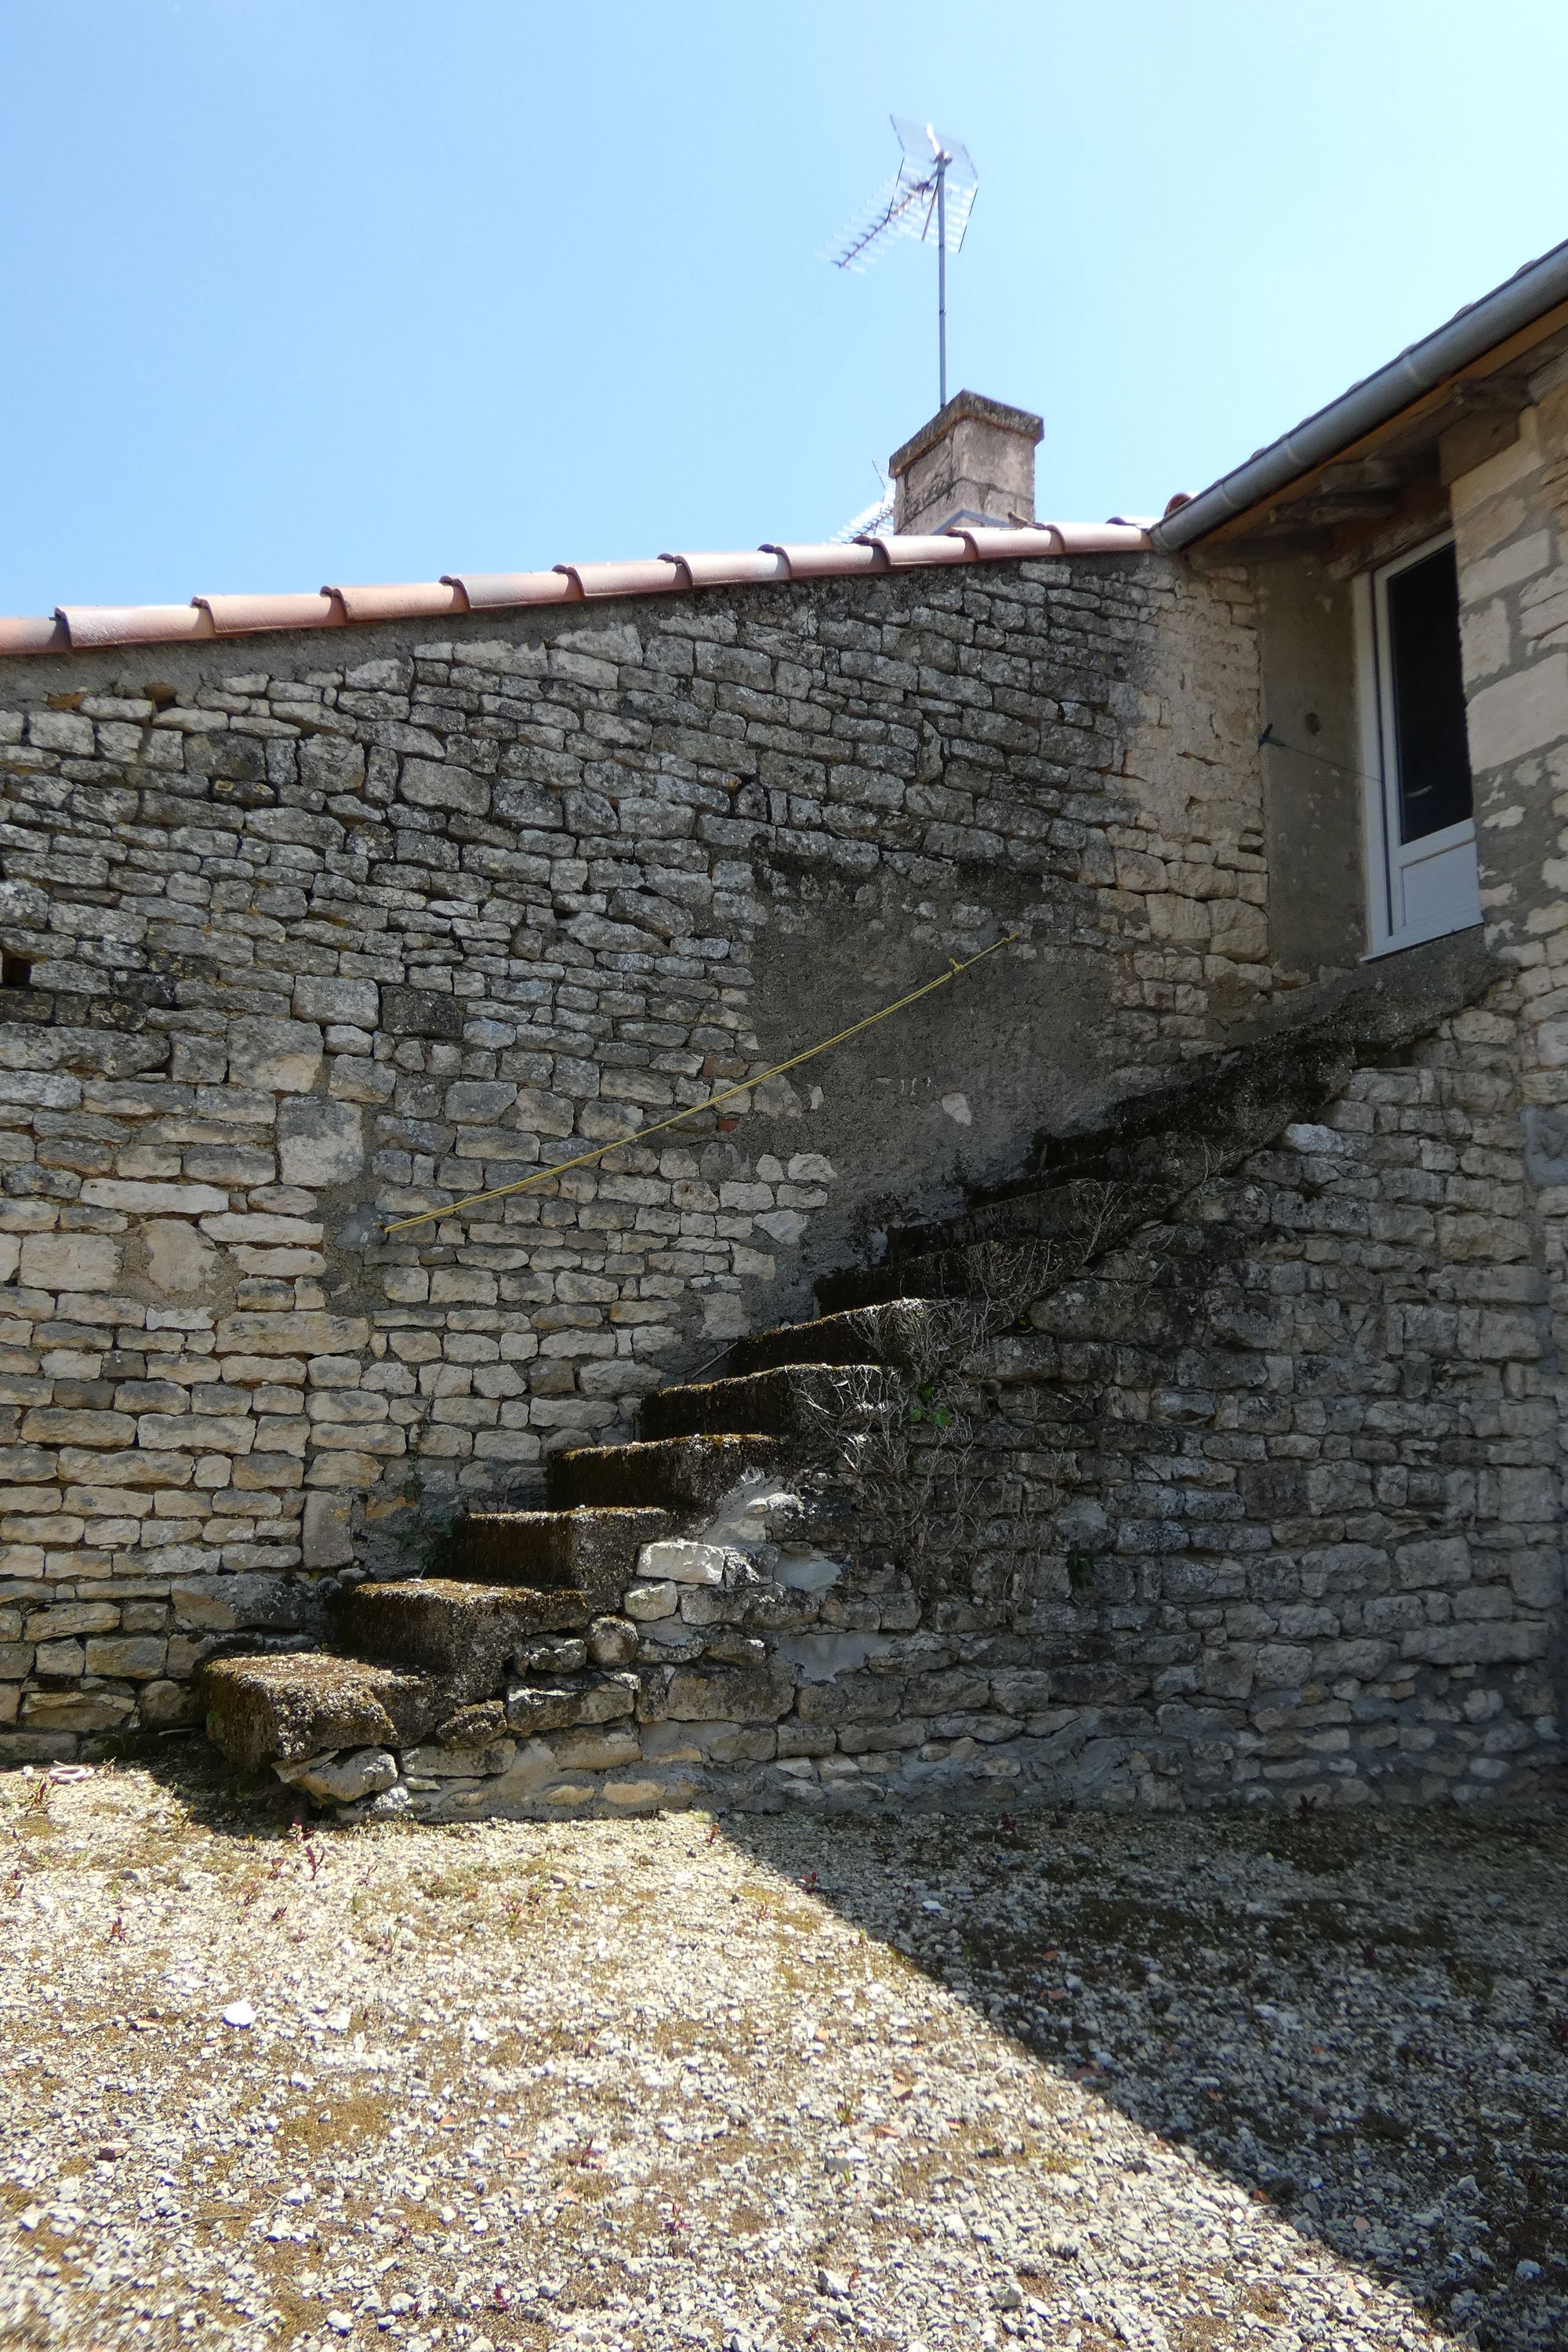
(179, 1259)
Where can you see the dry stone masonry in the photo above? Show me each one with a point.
(1219, 1353)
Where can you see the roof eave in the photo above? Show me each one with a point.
(1522, 302)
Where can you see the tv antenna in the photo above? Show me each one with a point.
(929, 197)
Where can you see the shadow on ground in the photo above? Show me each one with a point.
(1364, 2020)
(1361, 2019)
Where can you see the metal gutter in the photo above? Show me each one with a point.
(1468, 336)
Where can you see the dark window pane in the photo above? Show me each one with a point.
(1433, 750)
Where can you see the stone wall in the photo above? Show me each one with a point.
(1259, 1506)
(293, 947)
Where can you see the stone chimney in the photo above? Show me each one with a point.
(974, 463)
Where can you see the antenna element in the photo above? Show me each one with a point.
(929, 197)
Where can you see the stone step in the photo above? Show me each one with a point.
(1088, 1194)
(792, 1401)
(282, 1708)
(678, 1473)
(894, 1334)
(944, 1275)
(585, 1550)
(464, 1632)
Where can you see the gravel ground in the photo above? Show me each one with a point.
(1172, 2082)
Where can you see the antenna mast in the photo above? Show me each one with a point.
(929, 197)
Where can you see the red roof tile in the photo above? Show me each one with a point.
(76, 626)
(488, 591)
(242, 616)
(400, 601)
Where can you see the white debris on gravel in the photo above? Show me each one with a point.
(1177, 2083)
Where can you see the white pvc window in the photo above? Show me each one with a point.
(1422, 875)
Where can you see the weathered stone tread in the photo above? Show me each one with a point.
(280, 1709)
(682, 1473)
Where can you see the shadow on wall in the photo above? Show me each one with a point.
(1363, 2021)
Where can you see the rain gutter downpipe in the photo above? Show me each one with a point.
(1477, 329)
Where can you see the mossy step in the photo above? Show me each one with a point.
(797, 1400)
(944, 1274)
(894, 1334)
(464, 1632)
(280, 1709)
(585, 1551)
(678, 1474)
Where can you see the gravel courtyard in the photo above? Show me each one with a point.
(1161, 2083)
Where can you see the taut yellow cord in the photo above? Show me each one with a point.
(695, 1110)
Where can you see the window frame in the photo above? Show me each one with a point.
(1380, 762)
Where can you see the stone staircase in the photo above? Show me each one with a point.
(550, 1666)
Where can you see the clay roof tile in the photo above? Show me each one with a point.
(725, 571)
(408, 600)
(831, 560)
(242, 616)
(135, 625)
(489, 592)
(644, 576)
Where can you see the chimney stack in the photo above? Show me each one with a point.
(974, 463)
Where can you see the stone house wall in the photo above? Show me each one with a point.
(304, 935)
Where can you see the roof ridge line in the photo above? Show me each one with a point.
(74, 627)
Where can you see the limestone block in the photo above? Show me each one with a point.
(473, 1727)
(152, 1200)
(1519, 713)
(430, 784)
(421, 1012)
(726, 1695)
(164, 1705)
(612, 1641)
(53, 1426)
(281, 1058)
(458, 1763)
(1478, 1644)
(72, 1617)
(342, 1780)
(356, 1003)
(326, 1535)
(133, 1658)
(634, 1796)
(1537, 1579)
(1441, 1562)
(249, 1602)
(64, 1660)
(293, 1333)
(230, 1433)
(69, 1710)
(80, 1467)
(594, 1751)
(645, 1602)
(70, 1262)
(319, 1142)
(681, 1562)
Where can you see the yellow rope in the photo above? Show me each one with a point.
(641, 1134)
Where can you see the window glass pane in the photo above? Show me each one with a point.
(1428, 693)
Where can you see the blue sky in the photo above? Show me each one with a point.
(302, 290)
